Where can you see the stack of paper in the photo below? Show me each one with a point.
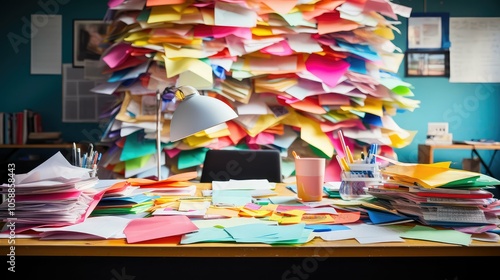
(435, 194)
(132, 204)
(140, 196)
(326, 65)
(54, 193)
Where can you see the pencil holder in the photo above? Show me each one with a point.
(357, 180)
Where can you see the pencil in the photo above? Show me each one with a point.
(342, 141)
(349, 156)
(295, 154)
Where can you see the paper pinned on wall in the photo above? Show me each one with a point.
(475, 46)
(46, 44)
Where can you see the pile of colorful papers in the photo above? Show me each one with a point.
(54, 193)
(291, 70)
(435, 194)
(140, 197)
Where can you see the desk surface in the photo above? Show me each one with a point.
(314, 248)
(463, 146)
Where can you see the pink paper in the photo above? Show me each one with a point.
(117, 55)
(338, 146)
(172, 152)
(381, 6)
(143, 229)
(334, 99)
(115, 3)
(281, 6)
(328, 70)
(222, 31)
(281, 48)
(262, 138)
(151, 3)
(332, 172)
(50, 196)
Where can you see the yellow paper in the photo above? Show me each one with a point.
(172, 52)
(290, 220)
(398, 141)
(176, 66)
(263, 122)
(195, 141)
(427, 175)
(310, 131)
(165, 13)
(226, 212)
(384, 32)
(255, 213)
(190, 78)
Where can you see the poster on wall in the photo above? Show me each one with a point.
(475, 50)
(88, 40)
(427, 64)
(428, 31)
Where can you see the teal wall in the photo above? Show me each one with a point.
(471, 109)
(41, 93)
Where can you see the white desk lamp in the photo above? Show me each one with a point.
(194, 113)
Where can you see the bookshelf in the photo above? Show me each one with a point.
(9, 153)
(37, 146)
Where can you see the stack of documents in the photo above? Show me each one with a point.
(291, 69)
(54, 193)
(435, 194)
(124, 205)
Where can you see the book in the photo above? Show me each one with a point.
(45, 137)
(2, 115)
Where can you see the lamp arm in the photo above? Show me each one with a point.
(158, 135)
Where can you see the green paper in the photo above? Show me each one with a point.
(444, 236)
(190, 158)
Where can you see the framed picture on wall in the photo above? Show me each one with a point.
(428, 31)
(88, 40)
(427, 64)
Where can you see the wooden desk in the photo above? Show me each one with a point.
(317, 247)
(426, 152)
(343, 257)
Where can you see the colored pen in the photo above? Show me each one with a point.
(84, 161)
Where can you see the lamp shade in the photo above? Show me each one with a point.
(195, 113)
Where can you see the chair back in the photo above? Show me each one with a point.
(223, 165)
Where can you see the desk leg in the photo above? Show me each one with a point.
(486, 166)
(425, 154)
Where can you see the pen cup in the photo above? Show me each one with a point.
(93, 172)
(310, 177)
(356, 182)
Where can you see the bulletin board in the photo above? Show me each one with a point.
(475, 50)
